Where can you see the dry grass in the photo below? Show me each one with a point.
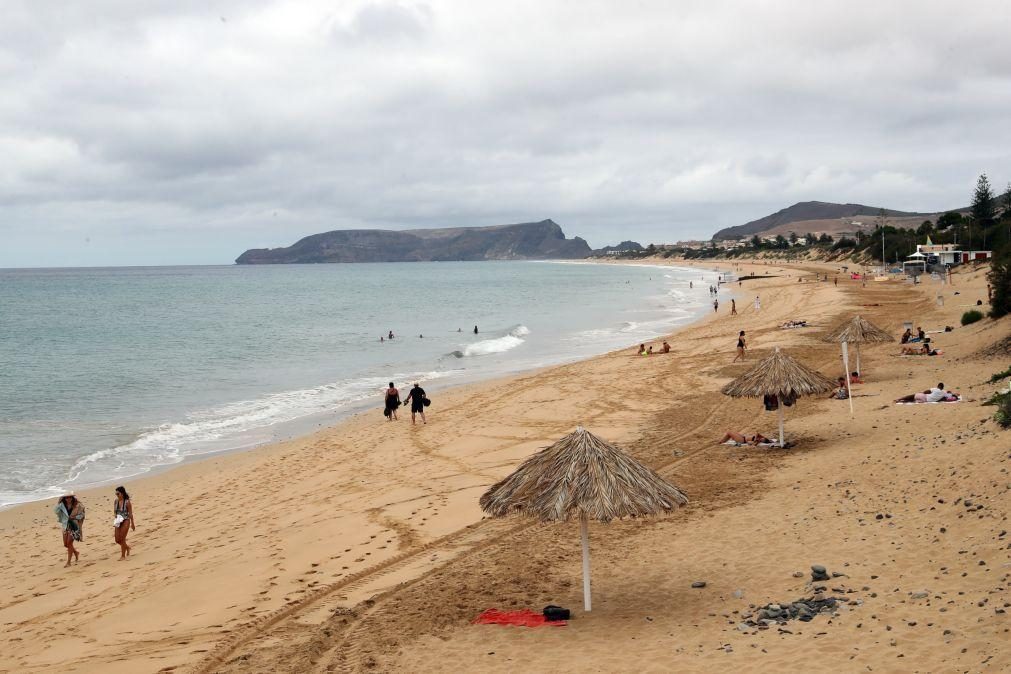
(582, 474)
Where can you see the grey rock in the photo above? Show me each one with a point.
(699, 583)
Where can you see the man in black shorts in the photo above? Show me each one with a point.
(417, 399)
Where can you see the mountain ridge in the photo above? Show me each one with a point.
(520, 241)
(807, 211)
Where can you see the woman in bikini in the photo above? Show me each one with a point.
(70, 513)
(123, 523)
(742, 346)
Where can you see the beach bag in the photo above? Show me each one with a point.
(553, 613)
(426, 402)
(771, 403)
(386, 412)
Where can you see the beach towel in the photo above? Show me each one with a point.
(936, 402)
(523, 618)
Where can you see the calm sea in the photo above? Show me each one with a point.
(108, 373)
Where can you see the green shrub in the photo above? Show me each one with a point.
(1000, 375)
(971, 316)
(1003, 415)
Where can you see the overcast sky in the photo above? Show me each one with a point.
(185, 131)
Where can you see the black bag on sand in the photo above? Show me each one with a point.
(552, 613)
(426, 402)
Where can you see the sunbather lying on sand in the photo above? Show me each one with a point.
(794, 324)
(744, 439)
(933, 395)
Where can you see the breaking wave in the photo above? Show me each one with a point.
(506, 342)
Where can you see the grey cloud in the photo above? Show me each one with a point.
(139, 122)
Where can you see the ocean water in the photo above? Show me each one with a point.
(106, 374)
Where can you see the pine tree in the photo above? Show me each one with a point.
(1000, 280)
(983, 211)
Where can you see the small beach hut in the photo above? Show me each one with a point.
(582, 476)
(856, 331)
(782, 376)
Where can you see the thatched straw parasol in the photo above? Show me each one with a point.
(585, 476)
(856, 331)
(782, 376)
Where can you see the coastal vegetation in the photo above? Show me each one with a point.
(971, 316)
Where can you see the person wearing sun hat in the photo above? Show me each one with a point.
(70, 513)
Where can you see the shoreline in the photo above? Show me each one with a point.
(408, 507)
(305, 426)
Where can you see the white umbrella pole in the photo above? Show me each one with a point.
(584, 534)
(846, 365)
(780, 409)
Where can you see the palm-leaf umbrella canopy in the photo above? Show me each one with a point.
(857, 331)
(585, 476)
(780, 375)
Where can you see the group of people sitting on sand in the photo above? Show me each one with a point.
(648, 351)
(924, 348)
(794, 324)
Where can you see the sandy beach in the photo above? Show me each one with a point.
(362, 547)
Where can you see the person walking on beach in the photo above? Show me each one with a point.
(758, 303)
(417, 398)
(742, 347)
(392, 402)
(716, 305)
(70, 512)
(123, 523)
(733, 307)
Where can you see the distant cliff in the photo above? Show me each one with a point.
(526, 241)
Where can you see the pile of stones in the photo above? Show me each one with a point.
(803, 609)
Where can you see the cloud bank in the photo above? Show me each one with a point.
(185, 132)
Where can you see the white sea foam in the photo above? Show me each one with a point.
(510, 340)
(171, 443)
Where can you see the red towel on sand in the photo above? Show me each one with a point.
(524, 618)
